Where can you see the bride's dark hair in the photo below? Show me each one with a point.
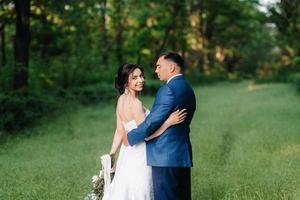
(123, 73)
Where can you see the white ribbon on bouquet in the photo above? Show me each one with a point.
(106, 169)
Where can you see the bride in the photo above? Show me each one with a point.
(133, 178)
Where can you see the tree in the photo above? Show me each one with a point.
(21, 44)
(2, 42)
(286, 16)
(6, 16)
(103, 31)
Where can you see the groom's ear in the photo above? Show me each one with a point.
(172, 67)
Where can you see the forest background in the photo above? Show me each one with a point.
(54, 53)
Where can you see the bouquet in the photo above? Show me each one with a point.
(102, 181)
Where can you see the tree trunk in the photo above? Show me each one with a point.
(119, 36)
(21, 44)
(206, 29)
(3, 47)
(103, 31)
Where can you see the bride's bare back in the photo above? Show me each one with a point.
(130, 108)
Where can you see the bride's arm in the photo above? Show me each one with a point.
(116, 143)
(175, 118)
(117, 136)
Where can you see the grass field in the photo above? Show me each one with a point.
(246, 145)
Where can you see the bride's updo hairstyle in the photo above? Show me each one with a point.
(123, 74)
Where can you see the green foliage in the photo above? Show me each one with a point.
(91, 94)
(82, 43)
(151, 87)
(19, 110)
(195, 77)
(5, 79)
(76, 47)
(295, 79)
(296, 61)
(285, 15)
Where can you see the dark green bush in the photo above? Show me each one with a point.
(20, 110)
(295, 79)
(96, 93)
(196, 77)
(151, 87)
(91, 94)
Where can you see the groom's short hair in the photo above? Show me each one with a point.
(175, 57)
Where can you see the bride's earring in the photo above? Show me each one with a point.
(126, 91)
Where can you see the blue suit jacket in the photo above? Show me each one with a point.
(173, 147)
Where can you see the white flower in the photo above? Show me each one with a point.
(101, 173)
(93, 196)
(95, 179)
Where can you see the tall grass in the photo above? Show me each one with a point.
(246, 144)
(246, 141)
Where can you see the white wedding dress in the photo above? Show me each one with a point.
(133, 178)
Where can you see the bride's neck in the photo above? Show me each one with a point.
(132, 93)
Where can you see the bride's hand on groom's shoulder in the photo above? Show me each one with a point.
(176, 117)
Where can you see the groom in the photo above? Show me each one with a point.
(170, 154)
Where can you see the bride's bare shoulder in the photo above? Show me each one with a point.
(120, 102)
(128, 104)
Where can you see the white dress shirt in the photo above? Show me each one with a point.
(173, 77)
